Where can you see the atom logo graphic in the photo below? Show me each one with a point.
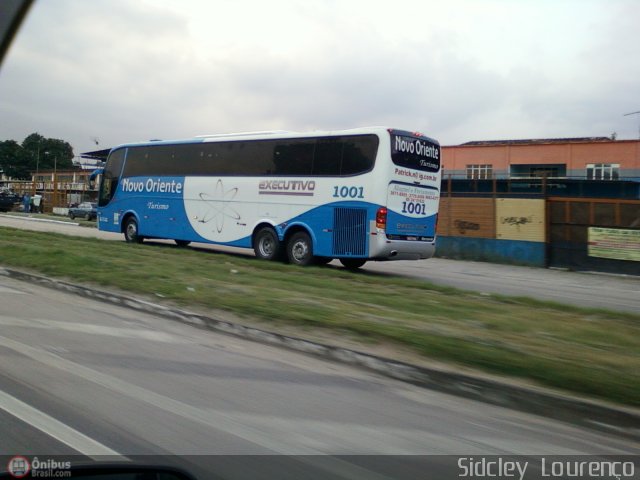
(218, 206)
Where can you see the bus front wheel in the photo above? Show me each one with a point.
(131, 231)
(352, 263)
(300, 249)
(266, 244)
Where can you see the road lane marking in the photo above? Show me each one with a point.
(55, 428)
(218, 420)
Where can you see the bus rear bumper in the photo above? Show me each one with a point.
(381, 248)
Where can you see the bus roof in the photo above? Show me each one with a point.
(265, 135)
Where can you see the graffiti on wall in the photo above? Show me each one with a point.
(516, 221)
(463, 226)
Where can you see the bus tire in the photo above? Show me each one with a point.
(300, 249)
(182, 243)
(266, 244)
(353, 263)
(130, 229)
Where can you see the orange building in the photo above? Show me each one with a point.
(596, 158)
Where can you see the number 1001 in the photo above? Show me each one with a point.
(348, 192)
(417, 208)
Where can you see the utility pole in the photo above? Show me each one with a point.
(635, 113)
(55, 183)
(35, 178)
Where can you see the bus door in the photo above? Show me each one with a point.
(109, 185)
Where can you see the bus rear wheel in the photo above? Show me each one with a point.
(300, 249)
(266, 244)
(182, 243)
(130, 229)
(353, 263)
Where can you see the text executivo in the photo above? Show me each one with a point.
(287, 187)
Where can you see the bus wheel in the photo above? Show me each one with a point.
(266, 244)
(353, 263)
(299, 249)
(131, 231)
(182, 243)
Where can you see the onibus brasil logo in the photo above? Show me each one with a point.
(20, 467)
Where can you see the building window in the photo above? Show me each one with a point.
(479, 172)
(533, 170)
(603, 171)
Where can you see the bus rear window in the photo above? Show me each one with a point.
(414, 152)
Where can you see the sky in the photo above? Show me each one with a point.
(99, 73)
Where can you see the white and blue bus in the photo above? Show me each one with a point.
(355, 195)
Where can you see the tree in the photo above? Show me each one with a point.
(12, 160)
(47, 153)
(36, 153)
(31, 150)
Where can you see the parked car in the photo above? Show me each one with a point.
(8, 201)
(85, 209)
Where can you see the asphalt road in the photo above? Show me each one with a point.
(582, 289)
(79, 376)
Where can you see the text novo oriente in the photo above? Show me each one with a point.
(151, 185)
(416, 146)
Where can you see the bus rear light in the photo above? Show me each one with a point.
(436, 227)
(381, 218)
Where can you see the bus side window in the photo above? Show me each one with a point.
(328, 157)
(294, 157)
(359, 155)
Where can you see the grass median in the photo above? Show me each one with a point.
(589, 351)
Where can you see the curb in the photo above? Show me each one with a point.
(587, 413)
(41, 220)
